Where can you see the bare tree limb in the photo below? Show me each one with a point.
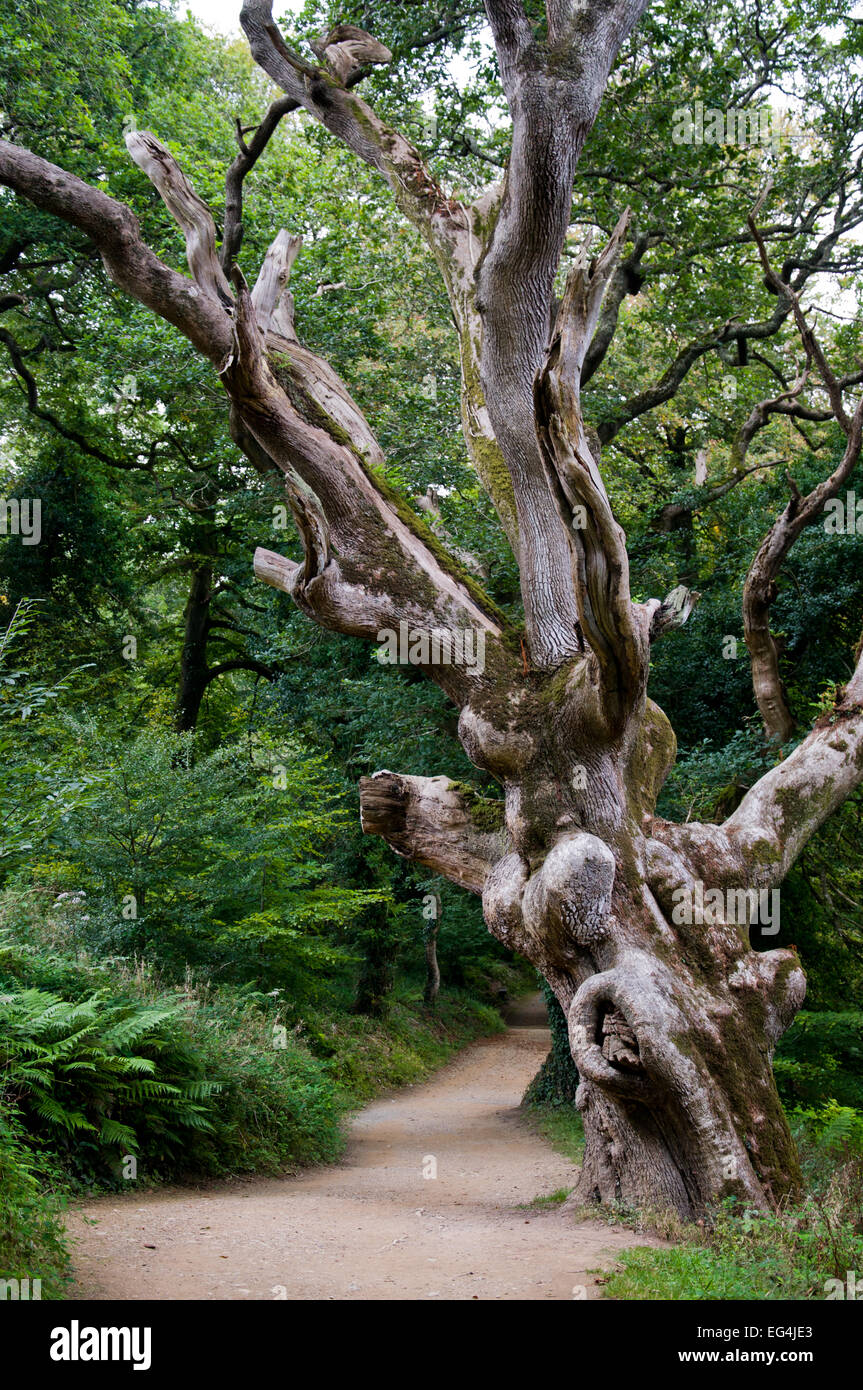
(244, 162)
(187, 209)
(759, 590)
(129, 261)
(428, 820)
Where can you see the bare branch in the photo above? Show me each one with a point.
(351, 120)
(428, 820)
(759, 590)
(759, 843)
(242, 165)
(348, 50)
(187, 209)
(115, 231)
(271, 296)
(600, 562)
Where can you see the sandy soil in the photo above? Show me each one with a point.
(373, 1227)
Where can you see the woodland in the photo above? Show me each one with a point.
(533, 327)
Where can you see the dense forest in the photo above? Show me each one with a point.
(206, 961)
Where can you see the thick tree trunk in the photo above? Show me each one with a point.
(672, 1024)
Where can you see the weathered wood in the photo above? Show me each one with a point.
(672, 1019)
(187, 209)
(427, 820)
(271, 295)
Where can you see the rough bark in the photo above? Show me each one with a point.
(672, 1020)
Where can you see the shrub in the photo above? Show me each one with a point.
(31, 1230)
(821, 1057)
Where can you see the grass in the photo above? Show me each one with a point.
(560, 1126)
(751, 1255)
(365, 1056)
(547, 1203)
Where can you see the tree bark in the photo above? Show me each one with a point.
(194, 671)
(673, 1015)
(430, 935)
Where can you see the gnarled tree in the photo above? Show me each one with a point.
(672, 1023)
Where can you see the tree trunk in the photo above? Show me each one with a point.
(671, 1024)
(194, 671)
(430, 933)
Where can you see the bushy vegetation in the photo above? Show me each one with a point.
(32, 1245)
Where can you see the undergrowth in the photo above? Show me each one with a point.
(804, 1251)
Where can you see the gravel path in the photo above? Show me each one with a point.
(373, 1226)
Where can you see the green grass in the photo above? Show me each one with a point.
(747, 1255)
(365, 1056)
(560, 1126)
(546, 1203)
(738, 1254)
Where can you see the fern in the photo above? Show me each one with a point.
(80, 1067)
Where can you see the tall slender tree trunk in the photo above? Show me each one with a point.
(194, 669)
(430, 935)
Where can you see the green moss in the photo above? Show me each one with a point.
(487, 813)
(447, 562)
(553, 690)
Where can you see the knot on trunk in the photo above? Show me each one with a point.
(619, 1043)
(505, 752)
(502, 901)
(567, 902)
(604, 1042)
(778, 979)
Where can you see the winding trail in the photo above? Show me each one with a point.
(372, 1226)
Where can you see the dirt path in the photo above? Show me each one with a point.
(373, 1227)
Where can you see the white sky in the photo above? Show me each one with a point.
(224, 15)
